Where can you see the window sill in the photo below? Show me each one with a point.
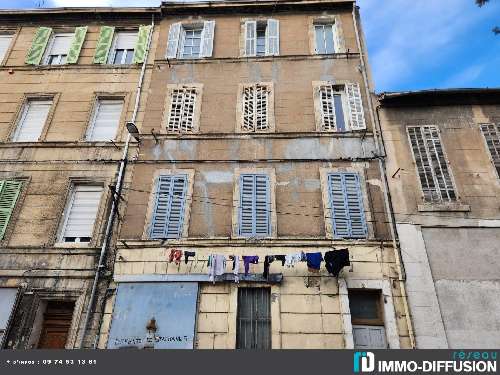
(73, 245)
(443, 207)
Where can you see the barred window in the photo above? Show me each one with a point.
(181, 117)
(432, 167)
(491, 133)
(255, 108)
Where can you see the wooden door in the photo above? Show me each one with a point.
(56, 324)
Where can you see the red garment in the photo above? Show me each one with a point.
(175, 256)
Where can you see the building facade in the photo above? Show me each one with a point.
(68, 84)
(443, 163)
(259, 140)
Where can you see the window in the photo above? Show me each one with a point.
(9, 193)
(56, 324)
(432, 167)
(183, 114)
(491, 133)
(324, 38)
(8, 298)
(261, 38)
(339, 108)
(105, 120)
(253, 327)
(190, 41)
(5, 41)
(346, 207)
(81, 213)
(58, 48)
(122, 51)
(254, 206)
(367, 319)
(256, 108)
(32, 120)
(169, 209)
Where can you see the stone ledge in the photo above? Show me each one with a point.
(443, 207)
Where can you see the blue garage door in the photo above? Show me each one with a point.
(172, 305)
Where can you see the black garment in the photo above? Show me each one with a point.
(232, 258)
(267, 261)
(282, 258)
(187, 255)
(336, 260)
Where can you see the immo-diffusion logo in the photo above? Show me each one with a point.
(364, 362)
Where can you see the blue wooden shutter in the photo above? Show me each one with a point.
(170, 200)
(346, 203)
(255, 207)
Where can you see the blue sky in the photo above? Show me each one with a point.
(412, 44)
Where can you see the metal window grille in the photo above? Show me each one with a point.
(253, 329)
(432, 167)
(491, 133)
(181, 118)
(255, 108)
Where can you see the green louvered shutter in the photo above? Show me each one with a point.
(76, 45)
(9, 192)
(104, 44)
(141, 45)
(37, 49)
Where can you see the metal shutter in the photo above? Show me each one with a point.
(253, 330)
(82, 211)
(170, 201)
(9, 192)
(346, 203)
(5, 41)
(255, 206)
(106, 119)
(32, 121)
(369, 337)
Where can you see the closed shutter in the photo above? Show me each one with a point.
(76, 45)
(142, 44)
(369, 337)
(255, 108)
(170, 201)
(38, 46)
(355, 106)
(250, 38)
(106, 119)
(9, 192)
(32, 121)
(173, 40)
(255, 206)
(207, 39)
(272, 37)
(104, 44)
(346, 204)
(338, 37)
(81, 213)
(5, 41)
(182, 107)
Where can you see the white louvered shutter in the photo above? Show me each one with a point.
(81, 212)
(346, 203)
(250, 38)
(106, 119)
(272, 37)
(173, 40)
(5, 41)
(255, 206)
(207, 39)
(255, 108)
(357, 115)
(369, 337)
(32, 121)
(338, 38)
(170, 201)
(182, 107)
(328, 120)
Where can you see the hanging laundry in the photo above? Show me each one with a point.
(249, 259)
(282, 258)
(314, 261)
(175, 256)
(187, 255)
(217, 266)
(267, 261)
(236, 268)
(292, 259)
(336, 260)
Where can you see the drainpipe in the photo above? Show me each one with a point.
(116, 196)
(377, 131)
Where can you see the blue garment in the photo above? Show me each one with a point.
(314, 261)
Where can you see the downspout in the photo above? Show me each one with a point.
(377, 131)
(116, 196)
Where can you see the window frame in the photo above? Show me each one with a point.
(379, 320)
(12, 34)
(22, 112)
(185, 27)
(259, 22)
(47, 53)
(98, 98)
(240, 112)
(112, 49)
(339, 41)
(268, 320)
(324, 25)
(167, 113)
(488, 150)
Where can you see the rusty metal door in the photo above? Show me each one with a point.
(173, 306)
